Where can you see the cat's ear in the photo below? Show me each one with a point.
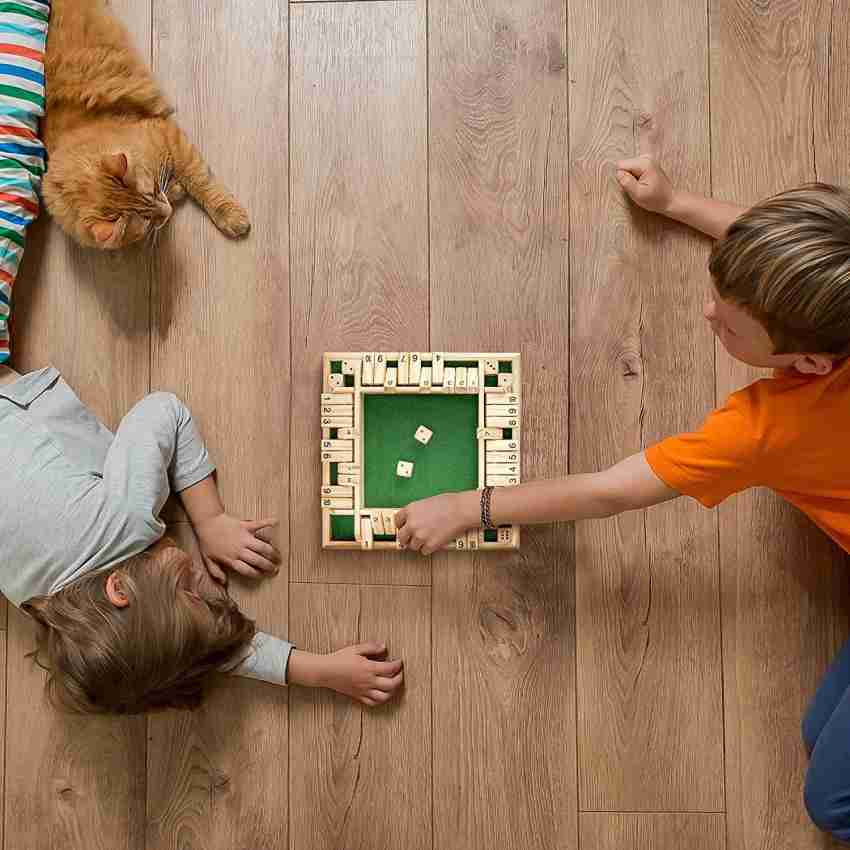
(102, 230)
(115, 164)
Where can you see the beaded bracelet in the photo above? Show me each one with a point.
(486, 519)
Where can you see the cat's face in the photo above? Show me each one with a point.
(107, 201)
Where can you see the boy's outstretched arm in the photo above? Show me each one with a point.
(645, 182)
(430, 524)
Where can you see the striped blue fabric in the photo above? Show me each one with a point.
(23, 38)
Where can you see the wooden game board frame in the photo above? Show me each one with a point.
(335, 399)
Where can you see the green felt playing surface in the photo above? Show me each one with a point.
(449, 462)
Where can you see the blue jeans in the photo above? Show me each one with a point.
(826, 732)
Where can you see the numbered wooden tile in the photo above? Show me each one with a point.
(502, 446)
(337, 421)
(449, 378)
(501, 421)
(380, 368)
(366, 537)
(337, 399)
(489, 433)
(437, 369)
(404, 369)
(502, 480)
(333, 490)
(368, 368)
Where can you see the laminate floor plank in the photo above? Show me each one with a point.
(361, 777)
(650, 725)
(775, 115)
(218, 778)
(504, 674)
(77, 782)
(359, 232)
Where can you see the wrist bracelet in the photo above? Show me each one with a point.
(486, 519)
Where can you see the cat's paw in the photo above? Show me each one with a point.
(175, 192)
(231, 219)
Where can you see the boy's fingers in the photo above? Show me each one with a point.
(245, 569)
(379, 697)
(389, 685)
(636, 165)
(258, 561)
(387, 668)
(255, 525)
(265, 549)
(627, 181)
(403, 536)
(370, 647)
(400, 518)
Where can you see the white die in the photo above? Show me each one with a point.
(424, 435)
(404, 469)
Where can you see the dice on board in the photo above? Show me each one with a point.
(423, 435)
(404, 469)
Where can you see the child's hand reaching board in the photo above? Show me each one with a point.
(429, 524)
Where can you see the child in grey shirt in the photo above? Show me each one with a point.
(130, 622)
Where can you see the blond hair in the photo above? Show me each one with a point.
(787, 262)
(157, 652)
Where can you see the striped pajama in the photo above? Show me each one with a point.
(23, 35)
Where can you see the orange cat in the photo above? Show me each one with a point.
(117, 161)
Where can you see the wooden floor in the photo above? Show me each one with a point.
(437, 175)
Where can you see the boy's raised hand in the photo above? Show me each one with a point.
(236, 544)
(645, 182)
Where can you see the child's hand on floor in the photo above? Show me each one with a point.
(645, 182)
(236, 544)
(429, 524)
(353, 671)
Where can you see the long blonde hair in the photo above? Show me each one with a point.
(157, 652)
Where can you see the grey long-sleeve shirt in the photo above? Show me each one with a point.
(76, 498)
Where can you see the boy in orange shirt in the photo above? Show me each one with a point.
(780, 298)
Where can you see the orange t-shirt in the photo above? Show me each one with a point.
(790, 433)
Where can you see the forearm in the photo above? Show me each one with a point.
(560, 499)
(307, 669)
(628, 485)
(704, 214)
(202, 501)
